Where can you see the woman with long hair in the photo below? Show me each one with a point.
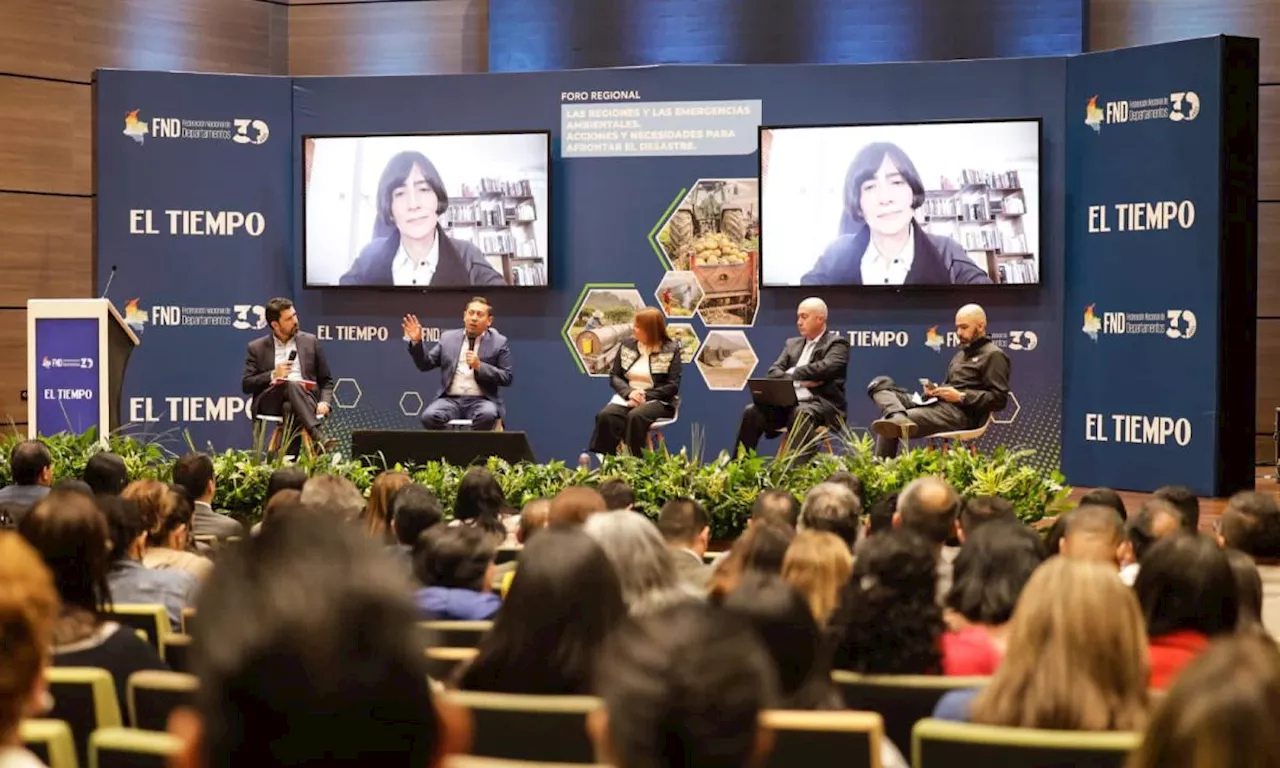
(28, 609)
(762, 548)
(375, 519)
(818, 564)
(482, 504)
(646, 380)
(564, 601)
(166, 515)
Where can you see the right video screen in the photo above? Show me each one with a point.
(919, 204)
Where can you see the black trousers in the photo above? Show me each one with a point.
(619, 424)
(929, 419)
(292, 401)
(801, 421)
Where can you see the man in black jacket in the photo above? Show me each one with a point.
(816, 361)
(976, 386)
(281, 368)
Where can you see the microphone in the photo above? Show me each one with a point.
(471, 343)
(293, 355)
(110, 277)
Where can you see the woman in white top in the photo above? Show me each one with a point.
(28, 609)
(646, 378)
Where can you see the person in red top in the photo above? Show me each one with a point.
(1188, 596)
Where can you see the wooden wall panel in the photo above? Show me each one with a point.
(1269, 260)
(414, 37)
(1264, 450)
(13, 366)
(45, 130)
(1269, 142)
(46, 247)
(1268, 374)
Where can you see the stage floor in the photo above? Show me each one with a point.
(1210, 508)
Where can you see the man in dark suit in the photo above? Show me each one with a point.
(816, 361)
(277, 365)
(687, 530)
(474, 361)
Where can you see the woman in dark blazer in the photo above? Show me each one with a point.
(646, 377)
(880, 242)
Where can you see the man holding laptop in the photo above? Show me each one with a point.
(804, 388)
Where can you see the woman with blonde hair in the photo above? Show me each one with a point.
(166, 515)
(818, 564)
(375, 519)
(29, 607)
(1076, 658)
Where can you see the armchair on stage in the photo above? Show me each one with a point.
(76, 354)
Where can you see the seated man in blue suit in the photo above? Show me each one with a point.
(474, 361)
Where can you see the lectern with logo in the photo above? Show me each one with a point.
(76, 353)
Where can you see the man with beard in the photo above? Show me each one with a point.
(286, 372)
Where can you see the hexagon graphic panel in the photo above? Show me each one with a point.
(678, 295)
(600, 321)
(726, 360)
(347, 393)
(688, 338)
(410, 403)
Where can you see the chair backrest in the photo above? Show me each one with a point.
(902, 700)
(152, 694)
(129, 748)
(523, 727)
(471, 761)
(50, 741)
(84, 697)
(847, 739)
(945, 743)
(189, 619)
(175, 650)
(456, 634)
(442, 662)
(151, 618)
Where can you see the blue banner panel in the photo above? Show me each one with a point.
(67, 368)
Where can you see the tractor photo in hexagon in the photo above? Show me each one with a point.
(714, 233)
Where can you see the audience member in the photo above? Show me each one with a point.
(889, 621)
(10, 511)
(28, 609)
(533, 518)
(1107, 498)
(455, 566)
(617, 494)
(71, 535)
(818, 565)
(481, 504)
(194, 472)
(685, 527)
(1155, 520)
(375, 518)
(573, 505)
(31, 468)
(129, 579)
(106, 473)
(980, 510)
(777, 505)
(930, 507)
(288, 497)
(1076, 658)
(166, 517)
(646, 568)
(308, 654)
(880, 516)
(414, 509)
(1093, 532)
(1251, 524)
(1221, 713)
(1185, 501)
(1248, 589)
(761, 548)
(563, 603)
(333, 495)
(1188, 597)
(993, 567)
(683, 687)
(74, 484)
(853, 483)
(286, 478)
(833, 508)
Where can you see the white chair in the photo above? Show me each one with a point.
(966, 437)
(466, 425)
(655, 436)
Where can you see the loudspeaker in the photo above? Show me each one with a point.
(417, 446)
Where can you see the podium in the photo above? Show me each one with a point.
(76, 354)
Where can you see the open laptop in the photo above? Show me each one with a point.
(778, 393)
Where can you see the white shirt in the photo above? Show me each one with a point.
(406, 271)
(464, 378)
(802, 392)
(638, 375)
(282, 356)
(888, 269)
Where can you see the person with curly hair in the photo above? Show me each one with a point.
(889, 622)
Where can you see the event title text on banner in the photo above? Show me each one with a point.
(657, 128)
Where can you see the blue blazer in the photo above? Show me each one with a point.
(495, 362)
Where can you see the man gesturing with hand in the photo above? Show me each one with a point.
(474, 363)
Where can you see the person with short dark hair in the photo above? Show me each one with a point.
(833, 508)
(646, 383)
(931, 508)
(617, 494)
(1108, 498)
(106, 473)
(775, 504)
(1156, 519)
(474, 363)
(1092, 532)
(286, 372)
(414, 509)
(980, 510)
(1186, 502)
(410, 246)
(31, 467)
(685, 527)
(308, 653)
(194, 472)
(880, 516)
(1251, 524)
(684, 686)
(455, 566)
(573, 505)
(130, 580)
(1188, 596)
(72, 484)
(1248, 589)
(535, 516)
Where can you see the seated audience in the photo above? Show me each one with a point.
(930, 508)
(1248, 589)
(980, 510)
(335, 496)
(71, 535)
(1092, 532)
(72, 484)
(646, 568)
(455, 568)
(132, 582)
(194, 472)
(106, 473)
(1188, 597)
(833, 508)
(414, 509)
(853, 483)
(564, 601)
(166, 515)
(31, 467)
(10, 511)
(685, 527)
(761, 548)
(1251, 524)
(889, 622)
(308, 654)
(617, 494)
(1106, 497)
(282, 499)
(375, 518)
(283, 479)
(573, 505)
(995, 564)
(28, 609)
(481, 504)
(1076, 658)
(818, 565)
(777, 505)
(1185, 501)
(683, 687)
(535, 516)
(880, 516)
(1222, 712)
(1155, 520)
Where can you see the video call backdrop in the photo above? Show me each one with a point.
(649, 190)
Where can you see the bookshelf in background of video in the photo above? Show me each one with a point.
(498, 217)
(983, 210)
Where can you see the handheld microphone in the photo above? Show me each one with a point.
(471, 343)
(110, 277)
(293, 355)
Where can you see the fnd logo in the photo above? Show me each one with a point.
(1019, 341)
(1178, 106)
(83, 363)
(241, 130)
(250, 131)
(1172, 323)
